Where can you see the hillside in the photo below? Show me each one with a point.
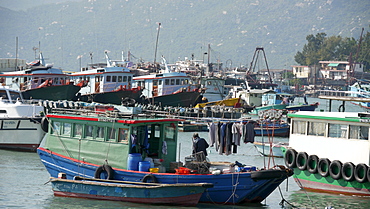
(232, 28)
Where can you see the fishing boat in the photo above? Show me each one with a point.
(115, 145)
(361, 90)
(109, 83)
(168, 89)
(272, 129)
(41, 81)
(270, 149)
(302, 107)
(329, 151)
(20, 120)
(136, 192)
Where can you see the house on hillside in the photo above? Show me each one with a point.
(338, 70)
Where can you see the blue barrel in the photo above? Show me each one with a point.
(144, 166)
(133, 161)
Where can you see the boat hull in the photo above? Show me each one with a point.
(282, 132)
(229, 188)
(310, 107)
(186, 195)
(113, 97)
(21, 134)
(179, 99)
(264, 149)
(62, 92)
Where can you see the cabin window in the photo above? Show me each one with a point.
(89, 131)
(299, 127)
(56, 128)
(66, 129)
(166, 81)
(114, 78)
(172, 81)
(55, 81)
(186, 81)
(316, 128)
(177, 81)
(182, 82)
(119, 78)
(111, 134)
(108, 78)
(123, 135)
(124, 78)
(359, 132)
(78, 130)
(338, 130)
(100, 133)
(170, 132)
(160, 82)
(129, 78)
(155, 82)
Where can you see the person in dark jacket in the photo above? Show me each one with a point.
(200, 145)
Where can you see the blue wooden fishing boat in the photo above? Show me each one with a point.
(116, 146)
(137, 192)
(274, 129)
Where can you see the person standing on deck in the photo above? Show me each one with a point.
(200, 145)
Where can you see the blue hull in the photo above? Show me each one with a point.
(232, 188)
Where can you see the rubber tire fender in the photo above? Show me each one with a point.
(335, 169)
(45, 124)
(104, 168)
(348, 171)
(312, 163)
(290, 158)
(323, 163)
(363, 168)
(301, 160)
(149, 178)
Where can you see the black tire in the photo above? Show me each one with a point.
(312, 163)
(290, 158)
(348, 171)
(104, 168)
(301, 160)
(45, 124)
(149, 178)
(323, 167)
(361, 173)
(335, 169)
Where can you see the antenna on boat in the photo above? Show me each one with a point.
(156, 44)
(109, 63)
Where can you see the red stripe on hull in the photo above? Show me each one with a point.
(189, 200)
(329, 188)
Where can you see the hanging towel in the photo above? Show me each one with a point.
(164, 148)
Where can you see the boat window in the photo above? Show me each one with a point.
(172, 81)
(55, 81)
(170, 130)
(56, 128)
(111, 134)
(186, 81)
(124, 78)
(89, 131)
(129, 78)
(155, 82)
(78, 130)
(123, 135)
(316, 129)
(160, 82)
(177, 81)
(299, 127)
(100, 133)
(114, 78)
(359, 132)
(182, 82)
(166, 81)
(66, 129)
(337, 130)
(119, 78)
(108, 78)
(14, 96)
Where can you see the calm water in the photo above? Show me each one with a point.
(23, 178)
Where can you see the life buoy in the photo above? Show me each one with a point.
(104, 169)
(290, 158)
(335, 169)
(361, 171)
(45, 124)
(149, 178)
(312, 163)
(301, 160)
(348, 171)
(323, 168)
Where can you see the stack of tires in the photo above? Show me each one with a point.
(323, 166)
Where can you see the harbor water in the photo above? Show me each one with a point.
(24, 180)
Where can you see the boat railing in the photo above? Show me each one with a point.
(335, 93)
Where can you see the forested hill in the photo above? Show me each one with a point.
(232, 28)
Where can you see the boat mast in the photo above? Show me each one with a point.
(156, 44)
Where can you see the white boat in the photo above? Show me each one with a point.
(21, 127)
(330, 151)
